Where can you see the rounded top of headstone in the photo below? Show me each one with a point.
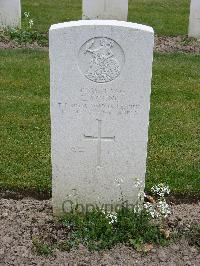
(102, 23)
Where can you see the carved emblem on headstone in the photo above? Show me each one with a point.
(101, 60)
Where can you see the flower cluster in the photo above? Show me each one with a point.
(27, 14)
(159, 208)
(163, 208)
(151, 209)
(137, 208)
(111, 216)
(30, 23)
(160, 190)
(28, 20)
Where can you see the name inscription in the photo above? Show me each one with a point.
(100, 100)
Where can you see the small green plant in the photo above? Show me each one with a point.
(140, 226)
(26, 34)
(188, 41)
(41, 248)
(190, 233)
(99, 230)
(193, 235)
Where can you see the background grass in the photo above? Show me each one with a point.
(25, 123)
(25, 134)
(167, 17)
(174, 151)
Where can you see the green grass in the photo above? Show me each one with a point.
(175, 116)
(48, 12)
(167, 17)
(25, 141)
(24, 84)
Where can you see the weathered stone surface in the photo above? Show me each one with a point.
(105, 9)
(100, 101)
(10, 13)
(194, 23)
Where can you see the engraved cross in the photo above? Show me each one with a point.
(99, 139)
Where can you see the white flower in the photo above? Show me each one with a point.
(27, 14)
(111, 216)
(158, 210)
(137, 208)
(30, 23)
(163, 208)
(160, 190)
(151, 209)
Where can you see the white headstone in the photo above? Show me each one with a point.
(194, 23)
(100, 100)
(10, 13)
(105, 9)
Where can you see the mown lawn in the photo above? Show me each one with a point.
(25, 134)
(167, 17)
(174, 144)
(25, 147)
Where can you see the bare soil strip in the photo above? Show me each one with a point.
(21, 220)
(162, 45)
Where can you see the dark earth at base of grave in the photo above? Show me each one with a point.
(162, 44)
(20, 194)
